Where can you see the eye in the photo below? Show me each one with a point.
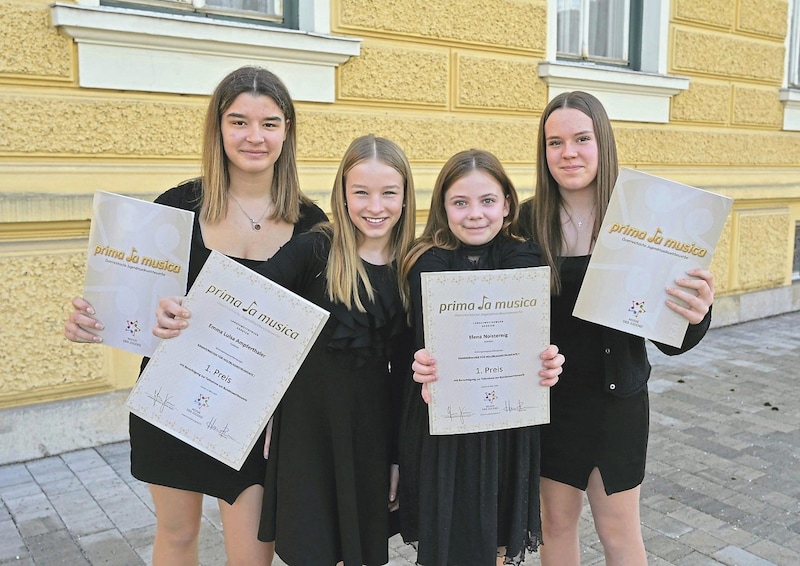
(585, 138)
(459, 202)
(553, 143)
(489, 200)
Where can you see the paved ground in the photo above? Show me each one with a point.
(722, 486)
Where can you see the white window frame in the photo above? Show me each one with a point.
(636, 96)
(145, 50)
(790, 93)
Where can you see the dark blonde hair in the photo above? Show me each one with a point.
(546, 221)
(437, 233)
(345, 271)
(285, 191)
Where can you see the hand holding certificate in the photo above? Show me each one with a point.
(138, 252)
(654, 231)
(216, 384)
(486, 330)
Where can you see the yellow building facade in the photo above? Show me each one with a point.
(96, 97)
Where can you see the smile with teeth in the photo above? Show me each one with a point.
(374, 220)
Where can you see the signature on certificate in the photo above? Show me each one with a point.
(459, 414)
(512, 408)
(161, 402)
(222, 431)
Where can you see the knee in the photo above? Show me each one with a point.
(178, 534)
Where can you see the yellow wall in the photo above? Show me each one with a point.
(433, 76)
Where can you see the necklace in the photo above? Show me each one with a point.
(579, 223)
(255, 224)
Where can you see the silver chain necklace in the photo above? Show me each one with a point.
(255, 224)
(579, 223)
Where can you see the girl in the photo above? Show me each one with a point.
(597, 437)
(332, 468)
(248, 204)
(468, 499)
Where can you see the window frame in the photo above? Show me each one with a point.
(640, 92)
(186, 53)
(790, 91)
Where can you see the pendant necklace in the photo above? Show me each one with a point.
(579, 223)
(255, 224)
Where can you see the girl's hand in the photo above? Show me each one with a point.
(699, 298)
(81, 322)
(170, 317)
(424, 368)
(552, 362)
(394, 480)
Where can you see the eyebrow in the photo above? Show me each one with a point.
(266, 119)
(581, 133)
(360, 186)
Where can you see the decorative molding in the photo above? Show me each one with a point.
(626, 95)
(141, 50)
(790, 97)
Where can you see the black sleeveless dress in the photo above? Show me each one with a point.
(159, 458)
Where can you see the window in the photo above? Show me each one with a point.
(276, 12)
(790, 94)
(159, 46)
(594, 30)
(597, 46)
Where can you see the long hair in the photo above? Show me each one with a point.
(547, 199)
(285, 191)
(345, 271)
(437, 233)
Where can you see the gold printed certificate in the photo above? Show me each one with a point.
(486, 330)
(138, 253)
(216, 384)
(654, 231)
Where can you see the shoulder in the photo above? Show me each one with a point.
(310, 215)
(434, 259)
(518, 253)
(187, 195)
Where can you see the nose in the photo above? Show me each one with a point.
(569, 150)
(374, 204)
(255, 134)
(475, 211)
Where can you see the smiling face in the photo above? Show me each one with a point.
(571, 149)
(253, 131)
(476, 208)
(374, 197)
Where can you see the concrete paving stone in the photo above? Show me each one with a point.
(56, 548)
(14, 474)
(21, 561)
(55, 487)
(695, 558)
(735, 556)
(695, 518)
(80, 513)
(82, 460)
(108, 547)
(141, 537)
(703, 541)
(670, 527)
(49, 469)
(670, 549)
(11, 543)
(126, 511)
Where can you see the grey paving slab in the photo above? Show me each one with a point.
(722, 484)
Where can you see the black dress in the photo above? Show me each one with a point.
(159, 458)
(334, 436)
(589, 428)
(467, 498)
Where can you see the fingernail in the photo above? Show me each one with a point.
(90, 310)
(99, 326)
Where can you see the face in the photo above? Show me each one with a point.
(374, 196)
(253, 131)
(476, 207)
(571, 149)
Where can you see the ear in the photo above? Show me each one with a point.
(506, 207)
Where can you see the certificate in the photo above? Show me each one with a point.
(217, 383)
(138, 252)
(653, 232)
(486, 330)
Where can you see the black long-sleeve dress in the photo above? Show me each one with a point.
(334, 436)
(159, 458)
(465, 498)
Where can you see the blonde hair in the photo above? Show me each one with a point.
(285, 191)
(437, 233)
(345, 271)
(546, 221)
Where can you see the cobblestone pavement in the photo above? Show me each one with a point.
(722, 484)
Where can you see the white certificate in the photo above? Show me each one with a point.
(138, 252)
(216, 384)
(486, 330)
(654, 231)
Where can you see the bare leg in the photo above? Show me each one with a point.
(240, 530)
(178, 514)
(616, 519)
(561, 510)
